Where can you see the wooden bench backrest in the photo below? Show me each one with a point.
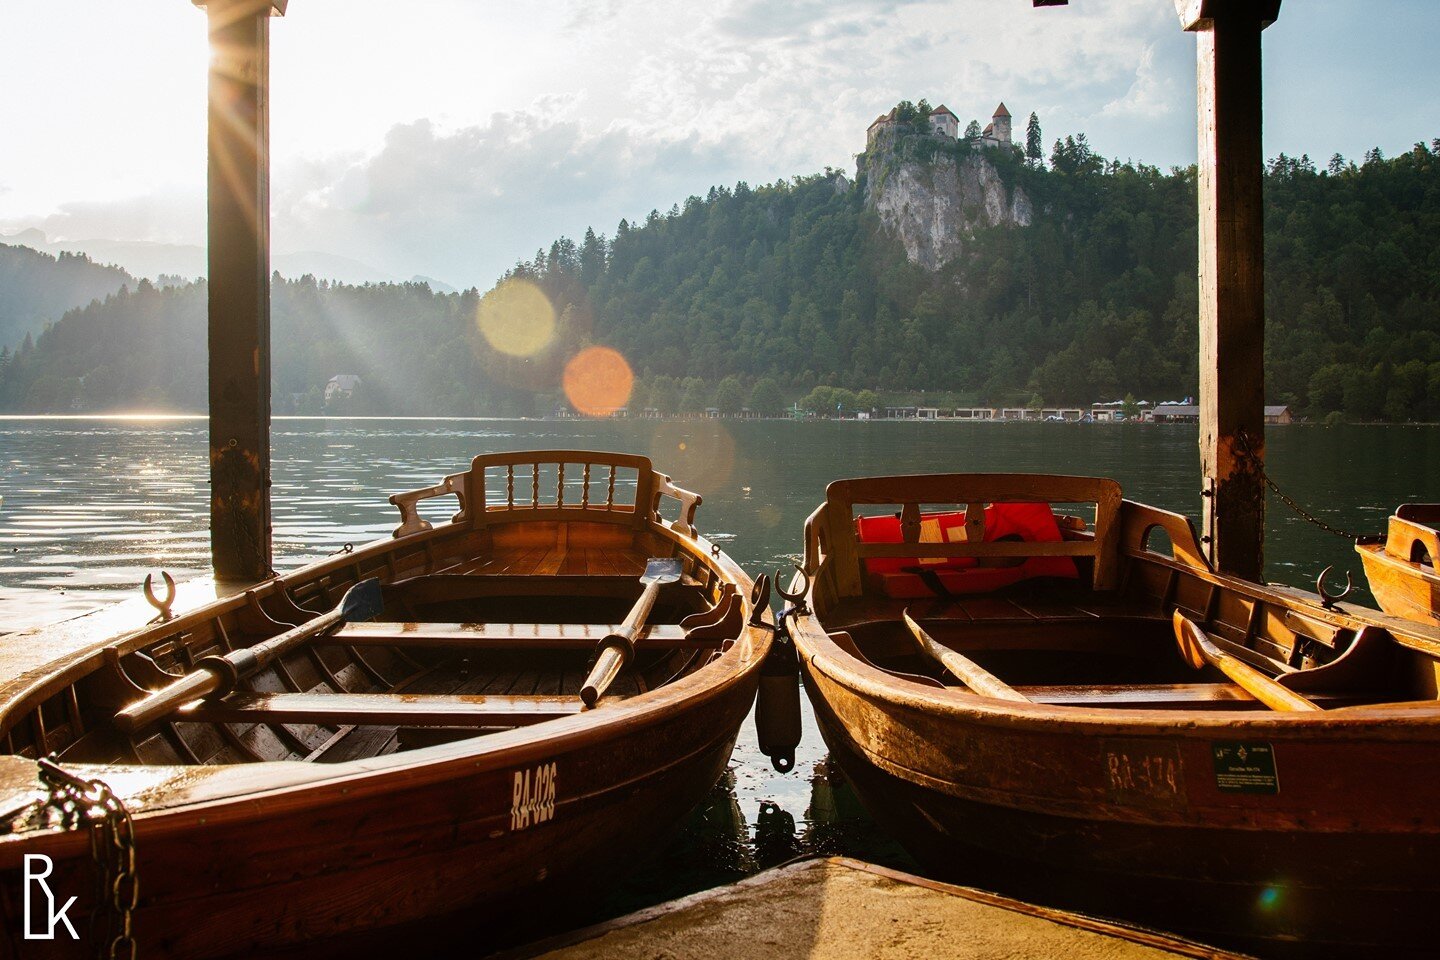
(1412, 535)
(553, 485)
(832, 529)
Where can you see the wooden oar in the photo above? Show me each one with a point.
(967, 671)
(1198, 650)
(361, 602)
(617, 648)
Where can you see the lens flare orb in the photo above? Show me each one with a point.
(517, 318)
(598, 381)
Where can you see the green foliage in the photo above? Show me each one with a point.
(730, 395)
(766, 399)
(794, 283)
(1034, 152)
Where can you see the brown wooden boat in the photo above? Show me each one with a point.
(346, 776)
(1037, 728)
(1401, 568)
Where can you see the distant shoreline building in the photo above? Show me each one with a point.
(341, 386)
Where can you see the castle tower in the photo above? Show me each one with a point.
(1000, 124)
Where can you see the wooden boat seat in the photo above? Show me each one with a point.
(1056, 604)
(511, 636)
(384, 709)
(1162, 696)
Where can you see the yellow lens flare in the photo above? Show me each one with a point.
(517, 318)
(598, 381)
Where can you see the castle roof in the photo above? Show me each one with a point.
(941, 109)
(878, 120)
(1000, 111)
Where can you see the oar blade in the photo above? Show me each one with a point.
(661, 570)
(364, 601)
(1188, 641)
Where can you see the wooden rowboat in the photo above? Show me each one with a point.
(1036, 728)
(369, 774)
(1401, 569)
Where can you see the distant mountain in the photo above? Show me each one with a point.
(154, 260)
(36, 288)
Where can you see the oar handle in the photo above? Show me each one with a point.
(617, 648)
(213, 674)
(192, 686)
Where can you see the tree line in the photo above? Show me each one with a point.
(757, 296)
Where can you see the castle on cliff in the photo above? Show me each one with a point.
(944, 123)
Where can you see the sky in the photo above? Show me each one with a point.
(449, 138)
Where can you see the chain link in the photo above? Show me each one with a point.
(112, 846)
(1300, 511)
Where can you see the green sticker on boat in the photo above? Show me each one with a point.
(1245, 768)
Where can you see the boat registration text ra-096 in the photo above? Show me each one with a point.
(532, 798)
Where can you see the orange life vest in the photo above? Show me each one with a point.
(905, 578)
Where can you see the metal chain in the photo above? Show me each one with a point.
(112, 846)
(246, 533)
(1300, 511)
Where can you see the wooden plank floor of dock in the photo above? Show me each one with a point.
(841, 908)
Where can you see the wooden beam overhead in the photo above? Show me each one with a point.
(1194, 13)
(277, 7)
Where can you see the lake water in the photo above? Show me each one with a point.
(91, 505)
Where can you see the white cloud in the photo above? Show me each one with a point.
(452, 138)
(1151, 95)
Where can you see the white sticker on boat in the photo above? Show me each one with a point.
(532, 797)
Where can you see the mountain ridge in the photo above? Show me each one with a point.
(763, 294)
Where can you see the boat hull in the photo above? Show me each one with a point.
(1036, 828)
(232, 879)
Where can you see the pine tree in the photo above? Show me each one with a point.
(1034, 152)
(972, 130)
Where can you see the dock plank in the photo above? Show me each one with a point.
(839, 909)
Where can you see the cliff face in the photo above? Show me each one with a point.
(933, 206)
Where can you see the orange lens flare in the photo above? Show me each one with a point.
(598, 381)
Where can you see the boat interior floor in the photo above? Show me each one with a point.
(1077, 649)
(453, 656)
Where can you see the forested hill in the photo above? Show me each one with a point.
(36, 287)
(758, 295)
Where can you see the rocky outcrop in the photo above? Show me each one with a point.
(933, 206)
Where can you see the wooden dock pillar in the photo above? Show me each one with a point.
(239, 285)
(1232, 278)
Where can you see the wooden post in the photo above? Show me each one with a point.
(239, 285)
(1232, 278)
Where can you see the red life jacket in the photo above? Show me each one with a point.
(901, 577)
